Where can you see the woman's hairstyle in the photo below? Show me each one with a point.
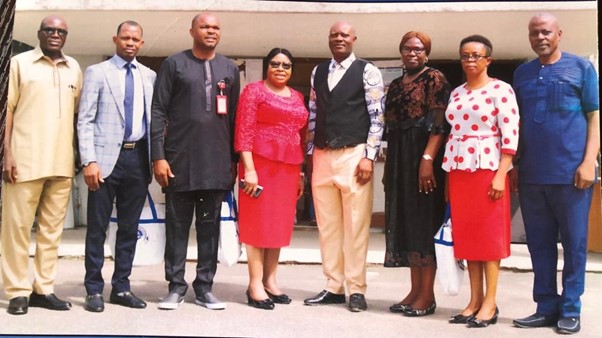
(479, 39)
(423, 37)
(272, 54)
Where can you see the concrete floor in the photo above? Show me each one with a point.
(300, 276)
(385, 286)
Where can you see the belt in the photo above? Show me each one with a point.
(328, 147)
(133, 144)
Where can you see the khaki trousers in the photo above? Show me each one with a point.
(343, 212)
(50, 196)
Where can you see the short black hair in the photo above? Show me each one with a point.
(273, 53)
(129, 23)
(479, 39)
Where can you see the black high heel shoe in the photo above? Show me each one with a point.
(474, 322)
(461, 319)
(265, 304)
(279, 299)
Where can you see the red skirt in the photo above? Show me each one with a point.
(480, 225)
(267, 221)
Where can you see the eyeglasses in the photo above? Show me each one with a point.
(472, 57)
(408, 50)
(50, 31)
(285, 66)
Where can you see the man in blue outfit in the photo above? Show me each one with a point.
(560, 139)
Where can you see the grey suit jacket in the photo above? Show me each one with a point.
(101, 121)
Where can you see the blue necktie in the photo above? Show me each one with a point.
(128, 101)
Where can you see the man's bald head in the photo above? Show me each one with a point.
(201, 17)
(544, 36)
(341, 39)
(52, 36)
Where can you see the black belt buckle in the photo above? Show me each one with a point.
(129, 145)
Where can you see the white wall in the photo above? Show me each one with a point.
(87, 60)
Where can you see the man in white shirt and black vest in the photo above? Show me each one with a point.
(344, 134)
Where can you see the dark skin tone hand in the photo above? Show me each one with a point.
(363, 171)
(426, 180)
(162, 172)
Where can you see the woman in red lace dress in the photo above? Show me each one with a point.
(269, 120)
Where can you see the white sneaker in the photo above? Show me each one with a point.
(209, 301)
(171, 301)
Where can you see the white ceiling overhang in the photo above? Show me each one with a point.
(251, 28)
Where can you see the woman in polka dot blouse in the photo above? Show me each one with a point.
(484, 120)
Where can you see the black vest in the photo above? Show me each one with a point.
(342, 117)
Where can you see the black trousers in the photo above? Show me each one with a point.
(128, 186)
(180, 207)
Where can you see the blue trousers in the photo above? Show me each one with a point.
(547, 210)
(127, 185)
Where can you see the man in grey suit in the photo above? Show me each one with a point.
(113, 127)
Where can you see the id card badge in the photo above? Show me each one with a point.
(222, 105)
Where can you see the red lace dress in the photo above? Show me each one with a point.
(270, 127)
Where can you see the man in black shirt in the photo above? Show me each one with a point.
(193, 112)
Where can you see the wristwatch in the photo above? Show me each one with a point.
(427, 157)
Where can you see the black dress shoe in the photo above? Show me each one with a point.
(128, 299)
(411, 312)
(265, 304)
(279, 299)
(399, 308)
(461, 319)
(536, 320)
(357, 302)
(474, 322)
(17, 306)
(94, 303)
(325, 297)
(568, 325)
(49, 301)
